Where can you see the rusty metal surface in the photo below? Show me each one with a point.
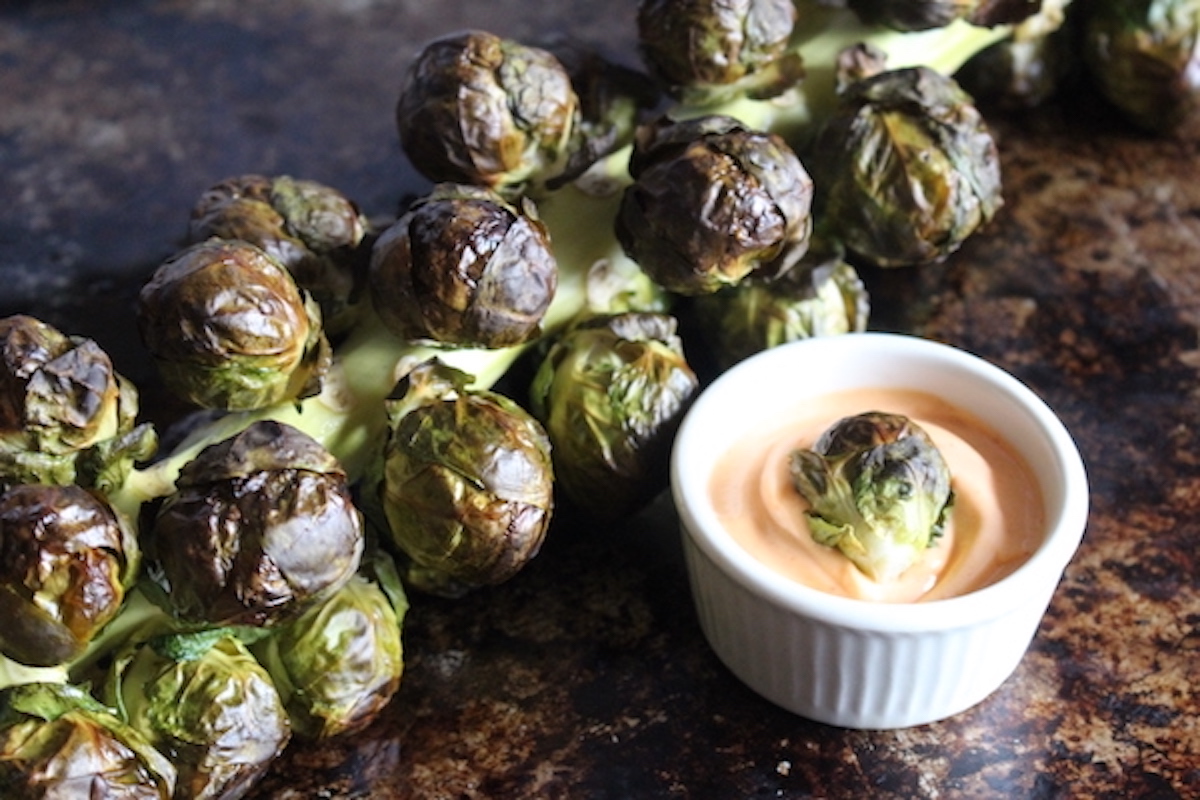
(587, 677)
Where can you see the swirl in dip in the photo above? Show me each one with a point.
(996, 523)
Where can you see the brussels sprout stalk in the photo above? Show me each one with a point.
(13, 673)
(345, 416)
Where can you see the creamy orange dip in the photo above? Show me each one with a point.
(996, 522)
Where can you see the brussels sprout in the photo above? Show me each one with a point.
(57, 742)
(230, 329)
(1017, 73)
(1027, 67)
(905, 168)
(821, 296)
(311, 229)
(713, 202)
(66, 415)
(611, 392)
(260, 527)
(480, 109)
(878, 490)
(66, 560)
(710, 51)
(339, 664)
(1144, 55)
(467, 480)
(203, 701)
(464, 267)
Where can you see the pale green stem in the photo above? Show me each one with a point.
(348, 418)
(12, 673)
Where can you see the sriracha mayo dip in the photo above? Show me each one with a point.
(996, 521)
(795, 620)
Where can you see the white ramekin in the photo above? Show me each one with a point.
(855, 663)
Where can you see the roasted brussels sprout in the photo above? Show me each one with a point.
(261, 527)
(878, 490)
(1029, 65)
(229, 328)
(1017, 73)
(341, 662)
(480, 109)
(311, 229)
(713, 202)
(611, 392)
(1144, 55)
(464, 267)
(467, 481)
(709, 51)
(204, 702)
(905, 168)
(823, 295)
(57, 742)
(66, 560)
(66, 415)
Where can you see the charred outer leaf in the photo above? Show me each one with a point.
(56, 741)
(464, 267)
(312, 229)
(66, 560)
(261, 526)
(708, 51)
(230, 329)
(713, 202)
(481, 109)
(66, 414)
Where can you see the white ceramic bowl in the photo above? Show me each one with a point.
(856, 663)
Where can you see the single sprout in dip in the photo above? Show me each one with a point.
(995, 522)
(878, 490)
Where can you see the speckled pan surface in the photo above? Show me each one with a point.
(589, 677)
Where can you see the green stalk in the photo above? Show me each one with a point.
(347, 416)
(12, 673)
